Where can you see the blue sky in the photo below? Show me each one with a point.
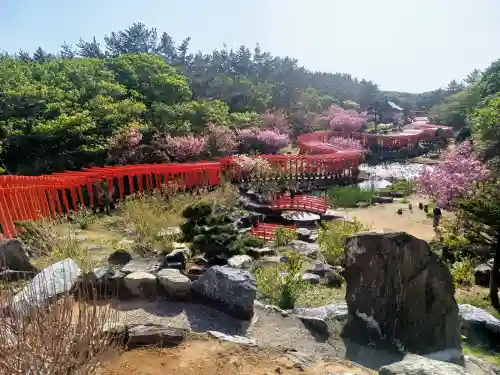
(405, 45)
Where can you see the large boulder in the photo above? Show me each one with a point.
(399, 294)
(14, 256)
(482, 273)
(479, 326)
(228, 289)
(417, 365)
(58, 279)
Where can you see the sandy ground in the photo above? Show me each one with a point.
(384, 217)
(213, 357)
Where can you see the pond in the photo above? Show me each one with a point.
(395, 170)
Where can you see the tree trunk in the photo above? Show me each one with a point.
(494, 278)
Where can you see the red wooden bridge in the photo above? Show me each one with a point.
(268, 231)
(306, 203)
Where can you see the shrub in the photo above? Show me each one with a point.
(462, 272)
(332, 237)
(282, 284)
(66, 337)
(284, 236)
(212, 232)
(349, 196)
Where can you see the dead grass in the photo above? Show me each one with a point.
(41, 336)
(212, 357)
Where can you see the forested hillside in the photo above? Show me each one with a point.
(66, 109)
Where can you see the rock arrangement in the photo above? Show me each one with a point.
(400, 294)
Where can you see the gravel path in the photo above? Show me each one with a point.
(267, 328)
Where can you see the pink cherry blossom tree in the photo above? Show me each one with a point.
(264, 141)
(454, 178)
(275, 120)
(346, 143)
(185, 148)
(125, 145)
(221, 141)
(344, 120)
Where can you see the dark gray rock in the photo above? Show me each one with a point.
(119, 258)
(479, 326)
(199, 260)
(398, 291)
(328, 274)
(154, 335)
(256, 252)
(53, 281)
(178, 256)
(416, 365)
(323, 319)
(14, 256)
(175, 284)
(143, 265)
(141, 284)
(228, 289)
(482, 274)
(304, 234)
(250, 205)
(311, 278)
(304, 248)
(194, 271)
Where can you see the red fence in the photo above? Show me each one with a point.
(32, 198)
(268, 231)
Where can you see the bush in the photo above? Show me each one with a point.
(349, 196)
(212, 232)
(282, 284)
(462, 272)
(284, 236)
(331, 239)
(66, 337)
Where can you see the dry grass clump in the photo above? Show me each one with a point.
(47, 245)
(148, 215)
(43, 337)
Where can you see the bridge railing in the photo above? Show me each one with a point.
(267, 232)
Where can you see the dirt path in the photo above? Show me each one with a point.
(213, 357)
(384, 217)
